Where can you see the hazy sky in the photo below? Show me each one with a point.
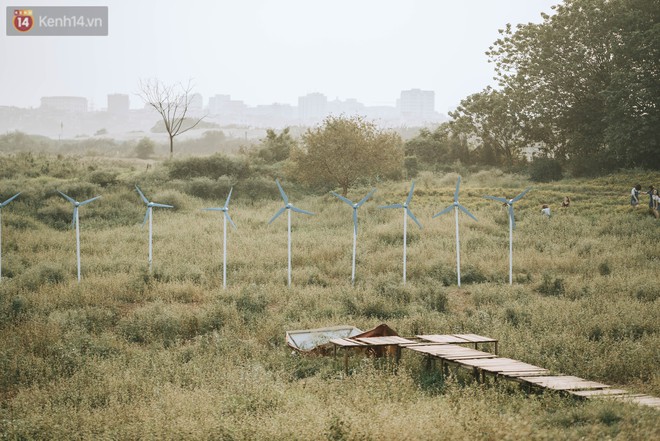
(266, 51)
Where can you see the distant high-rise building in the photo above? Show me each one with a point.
(417, 104)
(118, 103)
(64, 103)
(313, 106)
(196, 104)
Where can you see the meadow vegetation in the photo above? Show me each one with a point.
(128, 354)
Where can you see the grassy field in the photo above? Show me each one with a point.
(171, 355)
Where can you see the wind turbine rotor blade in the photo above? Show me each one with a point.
(520, 196)
(9, 200)
(493, 198)
(73, 201)
(513, 218)
(300, 210)
(146, 216)
(410, 195)
(153, 204)
(412, 216)
(391, 206)
(229, 219)
(446, 210)
(214, 209)
(465, 210)
(366, 198)
(277, 214)
(144, 198)
(338, 196)
(286, 199)
(88, 201)
(228, 197)
(458, 184)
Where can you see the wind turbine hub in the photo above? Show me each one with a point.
(288, 206)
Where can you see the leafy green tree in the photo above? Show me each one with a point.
(492, 119)
(343, 151)
(586, 81)
(276, 148)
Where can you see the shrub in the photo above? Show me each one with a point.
(145, 148)
(212, 167)
(550, 287)
(545, 170)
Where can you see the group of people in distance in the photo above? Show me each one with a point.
(545, 208)
(654, 199)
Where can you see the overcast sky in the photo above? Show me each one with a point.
(267, 51)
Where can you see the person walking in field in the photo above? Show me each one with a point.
(656, 203)
(545, 210)
(634, 195)
(567, 202)
(650, 193)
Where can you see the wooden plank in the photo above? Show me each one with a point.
(444, 339)
(384, 341)
(345, 342)
(564, 382)
(599, 393)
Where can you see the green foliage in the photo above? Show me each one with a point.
(584, 79)
(545, 170)
(275, 148)
(342, 152)
(145, 148)
(212, 167)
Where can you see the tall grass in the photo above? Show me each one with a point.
(129, 354)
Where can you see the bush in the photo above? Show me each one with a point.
(545, 170)
(145, 148)
(212, 167)
(550, 287)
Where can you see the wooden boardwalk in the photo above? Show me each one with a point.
(447, 350)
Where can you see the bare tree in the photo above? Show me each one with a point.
(172, 102)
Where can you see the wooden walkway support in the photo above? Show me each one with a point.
(446, 349)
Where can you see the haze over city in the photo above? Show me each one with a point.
(265, 52)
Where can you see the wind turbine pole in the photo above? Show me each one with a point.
(0, 245)
(354, 248)
(224, 252)
(78, 242)
(289, 244)
(150, 239)
(405, 239)
(458, 250)
(510, 250)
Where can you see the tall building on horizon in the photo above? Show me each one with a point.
(312, 107)
(118, 103)
(417, 105)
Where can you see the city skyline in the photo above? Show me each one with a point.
(265, 52)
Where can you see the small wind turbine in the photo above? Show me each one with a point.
(3, 205)
(288, 207)
(456, 207)
(225, 218)
(512, 224)
(355, 222)
(76, 223)
(148, 215)
(406, 212)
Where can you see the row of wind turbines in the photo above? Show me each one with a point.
(289, 207)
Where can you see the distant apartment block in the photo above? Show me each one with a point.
(118, 103)
(312, 107)
(196, 104)
(64, 103)
(223, 105)
(417, 105)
